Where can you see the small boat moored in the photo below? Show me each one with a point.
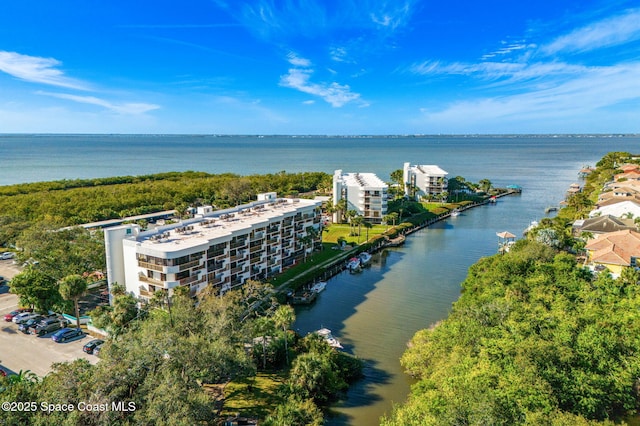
(365, 258)
(325, 333)
(455, 213)
(354, 265)
(319, 286)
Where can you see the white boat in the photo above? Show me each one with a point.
(325, 333)
(354, 264)
(455, 212)
(365, 258)
(319, 286)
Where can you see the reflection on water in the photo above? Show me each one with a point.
(375, 313)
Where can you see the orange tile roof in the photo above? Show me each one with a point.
(615, 248)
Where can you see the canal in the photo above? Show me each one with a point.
(376, 312)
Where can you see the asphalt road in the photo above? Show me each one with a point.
(19, 351)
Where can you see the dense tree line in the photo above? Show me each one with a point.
(160, 360)
(534, 339)
(64, 203)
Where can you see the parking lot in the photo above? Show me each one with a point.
(19, 351)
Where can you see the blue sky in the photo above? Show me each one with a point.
(319, 67)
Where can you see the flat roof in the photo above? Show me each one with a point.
(115, 222)
(429, 169)
(219, 225)
(363, 180)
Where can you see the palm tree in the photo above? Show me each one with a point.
(443, 196)
(284, 316)
(485, 185)
(72, 287)
(357, 221)
(264, 327)
(367, 226)
(24, 376)
(350, 214)
(341, 208)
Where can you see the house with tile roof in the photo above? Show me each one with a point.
(614, 251)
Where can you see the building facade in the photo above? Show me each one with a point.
(220, 249)
(364, 192)
(424, 181)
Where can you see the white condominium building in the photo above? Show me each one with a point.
(365, 193)
(221, 248)
(424, 181)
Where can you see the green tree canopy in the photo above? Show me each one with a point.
(72, 287)
(37, 289)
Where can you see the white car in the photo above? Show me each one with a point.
(7, 255)
(23, 317)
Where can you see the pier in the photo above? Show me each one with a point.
(338, 264)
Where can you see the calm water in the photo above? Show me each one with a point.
(376, 312)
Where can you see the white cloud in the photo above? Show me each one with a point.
(391, 15)
(298, 61)
(605, 33)
(514, 47)
(123, 108)
(335, 94)
(591, 97)
(299, 78)
(37, 70)
(512, 71)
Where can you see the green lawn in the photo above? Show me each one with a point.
(337, 230)
(253, 397)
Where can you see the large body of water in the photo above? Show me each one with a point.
(376, 312)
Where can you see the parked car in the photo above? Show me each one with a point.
(65, 334)
(3, 373)
(3, 281)
(7, 255)
(32, 322)
(97, 349)
(8, 317)
(23, 317)
(48, 325)
(92, 345)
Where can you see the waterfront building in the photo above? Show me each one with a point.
(618, 209)
(614, 251)
(601, 225)
(365, 193)
(220, 249)
(424, 181)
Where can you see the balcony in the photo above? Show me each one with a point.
(191, 280)
(238, 270)
(146, 279)
(258, 236)
(255, 249)
(144, 292)
(189, 265)
(237, 244)
(151, 266)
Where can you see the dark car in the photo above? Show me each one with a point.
(24, 327)
(65, 334)
(48, 325)
(9, 317)
(92, 345)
